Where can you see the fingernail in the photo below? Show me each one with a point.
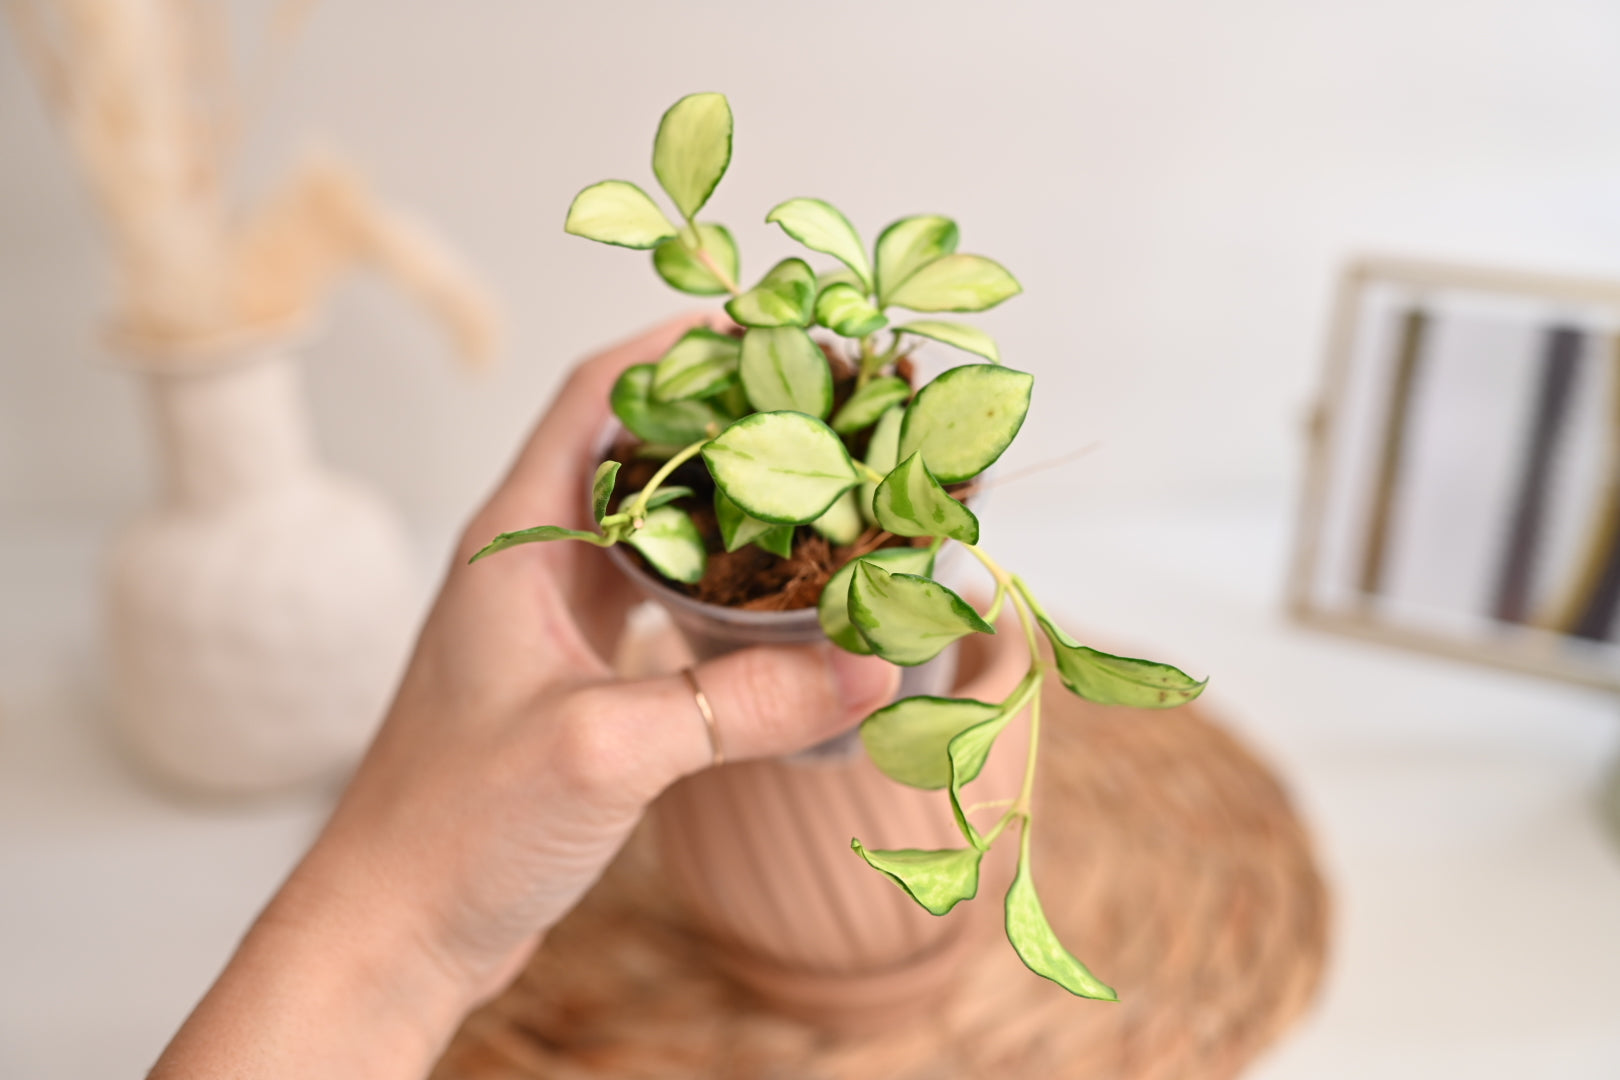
(862, 681)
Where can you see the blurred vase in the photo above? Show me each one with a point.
(759, 851)
(259, 614)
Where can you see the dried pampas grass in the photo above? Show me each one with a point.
(146, 97)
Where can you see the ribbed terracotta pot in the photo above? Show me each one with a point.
(759, 852)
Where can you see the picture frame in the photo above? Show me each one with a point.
(1462, 485)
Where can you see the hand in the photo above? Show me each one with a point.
(509, 770)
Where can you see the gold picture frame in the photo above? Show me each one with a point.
(1338, 580)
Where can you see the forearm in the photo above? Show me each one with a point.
(328, 983)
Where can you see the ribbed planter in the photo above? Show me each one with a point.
(258, 615)
(760, 851)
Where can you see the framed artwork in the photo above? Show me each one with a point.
(1463, 488)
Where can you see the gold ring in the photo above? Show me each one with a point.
(708, 716)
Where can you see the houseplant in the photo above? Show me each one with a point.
(770, 443)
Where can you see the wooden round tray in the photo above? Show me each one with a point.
(1169, 860)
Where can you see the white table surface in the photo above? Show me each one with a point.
(1477, 894)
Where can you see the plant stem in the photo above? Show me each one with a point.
(701, 254)
(638, 508)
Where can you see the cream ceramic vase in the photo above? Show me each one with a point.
(259, 614)
(759, 852)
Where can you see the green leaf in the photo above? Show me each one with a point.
(970, 338)
(833, 607)
(783, 467)
(1118, 680)
(906, 619)
(672, 544)
(674, 423)
(679, 266)
(842, 523)
(692, 149)
(602, 488)
(538, 534)
(702, 363)
(910, 502)
(964, 419)
(661, 497)
(956, 283)
(908, 245)
(618, 212)
(738, 528)
(909, 741)
(882, 452)
(783, 369)
(938, 880)
(820, 227)
(845, 310)
(785, 296)
(866, 405)
(1035, 943)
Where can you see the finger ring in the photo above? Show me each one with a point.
(702, 700)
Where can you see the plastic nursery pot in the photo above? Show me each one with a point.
(759, 852)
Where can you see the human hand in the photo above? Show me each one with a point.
(509, 770)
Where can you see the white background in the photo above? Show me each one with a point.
(1175, 183)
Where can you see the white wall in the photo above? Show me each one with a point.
(1174, 182)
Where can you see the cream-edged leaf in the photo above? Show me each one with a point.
(680, 266)
(906, 619)
(846, 311)
(867, 404)
(910, 502)
(1119, 680)
(938, 880)
(820, 227)
(833, 608)
(965, 419)
(783, 369)
(908, 245)
(1035, 943)
(782, 467)
(785, 296)
(968, 338)
(701, 363)
(956, 283)
(617, 212)
(692, 149)
(739, 528)
(674, 423)
(909, 741)
(671, 542)
(602, 489)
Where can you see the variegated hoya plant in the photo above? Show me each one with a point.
(759, 411)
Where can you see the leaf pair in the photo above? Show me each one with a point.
(690, 154)
(918, 268)
(939, 880)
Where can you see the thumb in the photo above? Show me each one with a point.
(765, 701)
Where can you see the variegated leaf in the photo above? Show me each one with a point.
(906, 619)
(910, 502)
(783, 467)
(833, 608)
(965, 419)
(937, 880)
(692, 149)
(619, 213)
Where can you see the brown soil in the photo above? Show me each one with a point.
(750, 578)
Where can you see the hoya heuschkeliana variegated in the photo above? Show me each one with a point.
(759, 411)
